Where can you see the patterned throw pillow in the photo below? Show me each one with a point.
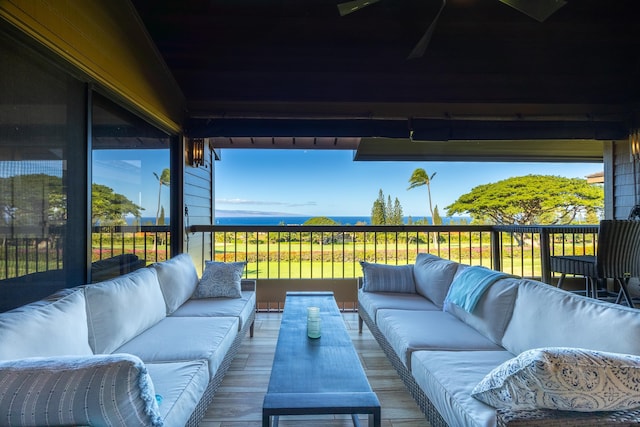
(563, 378)
(100, 390)
(220, 279)
(388, 278)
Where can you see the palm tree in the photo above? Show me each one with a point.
(163, 179)
(420, 177)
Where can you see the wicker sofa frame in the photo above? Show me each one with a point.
(214, 383)
(503, 417)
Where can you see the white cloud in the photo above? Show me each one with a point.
(244, 202)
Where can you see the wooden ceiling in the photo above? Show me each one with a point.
(268, 64)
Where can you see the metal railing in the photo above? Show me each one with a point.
(25, 250)
(149, 242)
(317, 252)
(297, 252)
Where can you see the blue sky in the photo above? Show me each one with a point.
(330, 183)
(130, 172)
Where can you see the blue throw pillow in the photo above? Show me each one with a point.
(388, 278)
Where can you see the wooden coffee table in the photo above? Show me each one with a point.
(316, 376)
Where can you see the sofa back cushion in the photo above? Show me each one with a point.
(493, 311)
(545, 316)
(387, 278)
(122, 308)
(55, 326)
(178, 279)
(433, 276)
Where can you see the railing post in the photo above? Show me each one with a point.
(496, 250)
(545, 254)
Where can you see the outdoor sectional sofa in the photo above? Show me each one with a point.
(539, 355)
(135, 350)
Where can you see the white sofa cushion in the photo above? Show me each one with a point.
(387, 278)
(121, 308)
(408, 331)
(433, 276)
(178, 279)
(447, 377)
(242, 308)
(51, 327)
(371, 302)
(545, 316)
(565, 379)
(100, 390)
(493, 311)
(186, 338)
(180, 386)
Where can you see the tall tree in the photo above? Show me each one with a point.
(437, 219)
(420, 177)
(378, 210)
(397, 215)
(531, 199)
(164, 179)
(161, 218)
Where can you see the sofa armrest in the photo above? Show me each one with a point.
(248, 285)
(113, 389)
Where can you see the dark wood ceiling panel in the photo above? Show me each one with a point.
(486, 60)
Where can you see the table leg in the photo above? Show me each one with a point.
(356, 421)
(269, 421)
(375, 418)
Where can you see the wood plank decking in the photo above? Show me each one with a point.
(238, 401)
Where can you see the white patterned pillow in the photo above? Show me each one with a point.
(220, 279)
(388, 278)
(563, 378)
(108, 390)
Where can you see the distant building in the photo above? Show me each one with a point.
(596, 178)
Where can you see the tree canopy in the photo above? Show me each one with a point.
(39, 199)
(33, 199)
(109, 207)
(320, 220)
(531, 199)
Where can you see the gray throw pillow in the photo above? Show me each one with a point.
(387, 278)
(220, 279)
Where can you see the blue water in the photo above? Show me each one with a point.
(299, 220)
(294, 220)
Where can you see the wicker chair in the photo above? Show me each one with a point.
(617, 258)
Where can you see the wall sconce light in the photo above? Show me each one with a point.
(196, 152)
(634, 144)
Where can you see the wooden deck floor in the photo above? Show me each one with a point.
(238, 401)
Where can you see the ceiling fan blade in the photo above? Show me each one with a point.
(538, 9)
(422, 44)
(352, 6)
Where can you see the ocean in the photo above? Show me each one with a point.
(299, 220)
(294, 220)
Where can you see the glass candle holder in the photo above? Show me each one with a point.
(313, 322)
